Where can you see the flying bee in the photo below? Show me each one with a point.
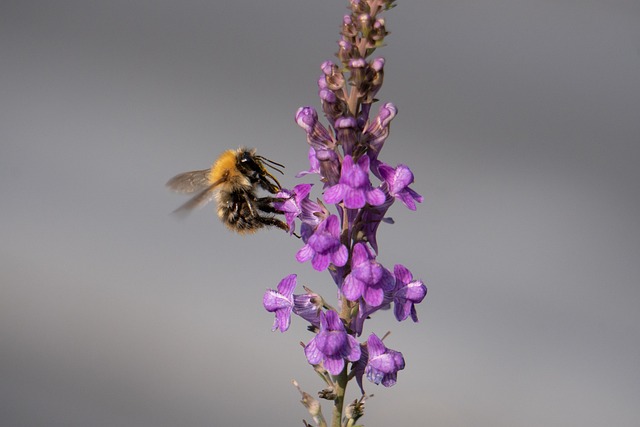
(232, 182)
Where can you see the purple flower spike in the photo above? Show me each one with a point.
(408, 292)
(281, 302)
(332, 345)
(368, 278)
(323, 246)
(292, 203)
(398, 181)
(383, 364)
(354, 186)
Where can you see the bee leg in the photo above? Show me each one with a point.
(269, 186)
(265, 204)
(269, 221)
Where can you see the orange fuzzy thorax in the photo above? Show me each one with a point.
(225, 168)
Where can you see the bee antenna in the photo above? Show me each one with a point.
(271, 164)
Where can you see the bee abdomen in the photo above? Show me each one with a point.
(239, 212)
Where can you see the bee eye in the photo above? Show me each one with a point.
(245, 158)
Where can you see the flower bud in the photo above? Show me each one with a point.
(346, 133)
(346, 51)
(349, 29)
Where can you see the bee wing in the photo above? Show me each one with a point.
(190, 182)
(200, 199)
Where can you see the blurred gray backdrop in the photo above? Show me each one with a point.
(520, 119)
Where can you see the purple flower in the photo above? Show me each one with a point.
(332, 79)
(349, 29)
(291, 204)
(346, 133)
(281, 302)
(383, 364)
(377, 132)
(313, 162)
(365, 310)
(332, 345)
(371, 218)
(311, 216)
(371, 82)
(346, 50)
(398, 181)
(368, 278)
(407, 293)
(320, 139)
(323, 247)
(354, 186)
(317, 134)
(309, 307)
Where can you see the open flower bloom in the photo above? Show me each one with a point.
(383, 364)
(398, 180)
(291, 204)
(323, 246)
(281, 302)
(407, 293)
(332, 345)
(368, 278)
(354, 186)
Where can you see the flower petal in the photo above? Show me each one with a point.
(402, 273)
(283, 320)
(373, 296)
(287, 285)
(402, 178)
(340, 257)
(360, 255)
(354, 350)
(333, 364)
(352, 288)
(273, 300)
(314, 356)
(320, 261)
(375, 197)
(354, 198)
(304, 254)
(335, 194)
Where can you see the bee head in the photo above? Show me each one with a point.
(253, 166)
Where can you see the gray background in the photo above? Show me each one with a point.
(520, 119)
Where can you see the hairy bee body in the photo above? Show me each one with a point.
(232, 182)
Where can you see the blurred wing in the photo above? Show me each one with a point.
(199, 200)
(190, 182)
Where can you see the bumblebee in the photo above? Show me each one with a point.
(232, 182)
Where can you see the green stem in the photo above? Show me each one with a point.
(338, 404)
